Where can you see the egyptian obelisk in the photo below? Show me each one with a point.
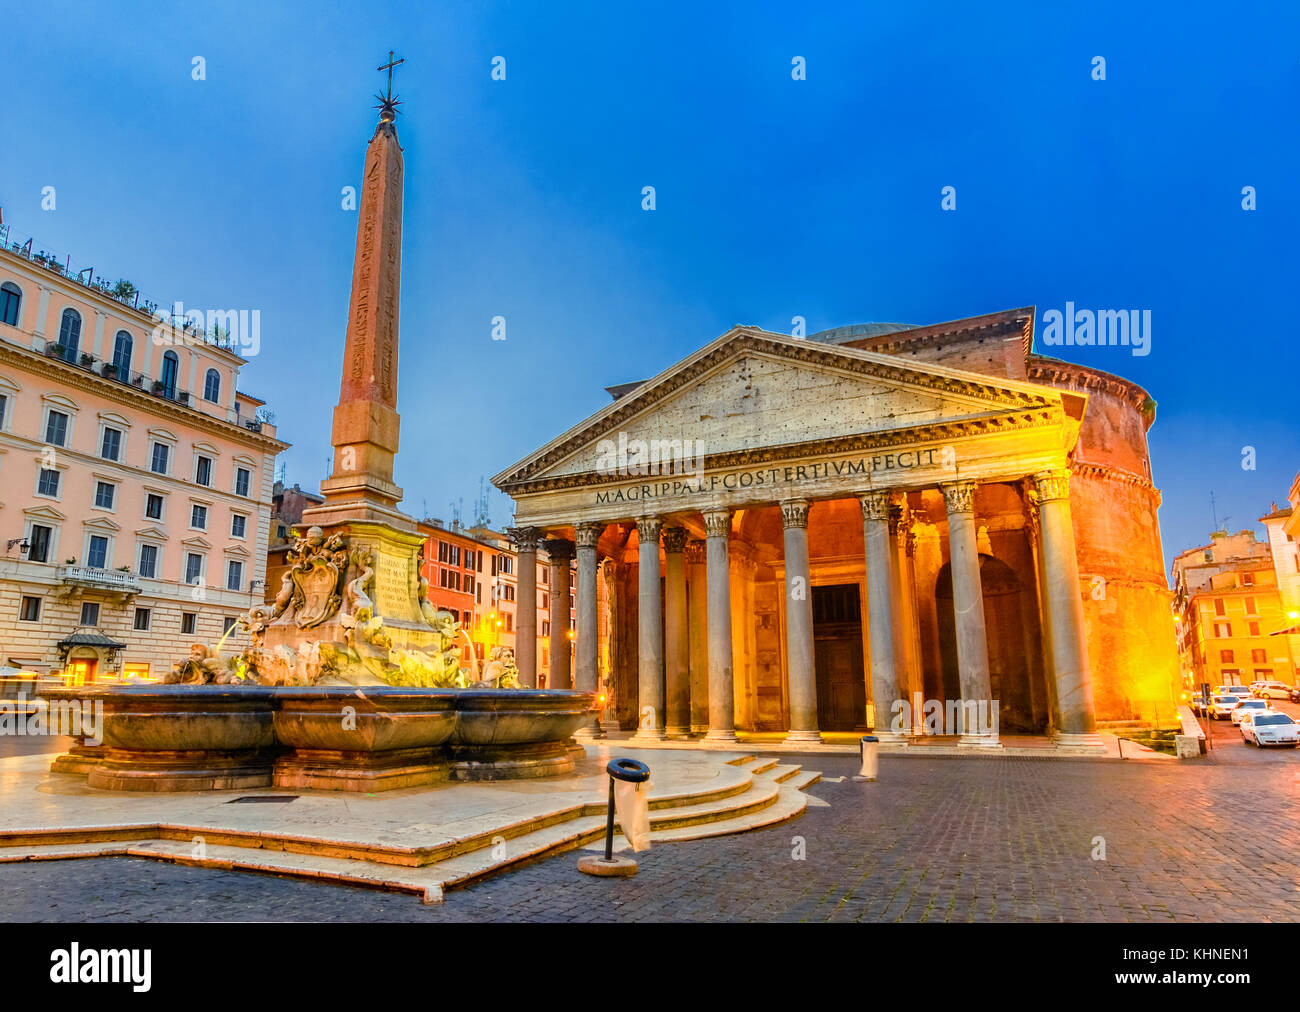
(360, 495)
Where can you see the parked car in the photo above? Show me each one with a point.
(1295, 693)
(1248, 705)
(1232, 690)
(1221, 706)
(1273, 690)
(1270, 728)
(1255, 686)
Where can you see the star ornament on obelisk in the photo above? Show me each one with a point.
(366, 424)
(388, 103)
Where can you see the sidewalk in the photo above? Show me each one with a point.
(925, 746)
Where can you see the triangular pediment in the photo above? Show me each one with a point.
(752, 390)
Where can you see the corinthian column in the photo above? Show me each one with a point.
(880, 613)
(677, 658)
(968, 607)
(587, 673)
(650, 645)
(722, 705)
(1065, 611)
(561, 556)
(525, 541)
(799, 625)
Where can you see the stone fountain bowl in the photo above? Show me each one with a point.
(493, 717)
(174, 737)
(178, 718)
(508, 734)
(373, 718)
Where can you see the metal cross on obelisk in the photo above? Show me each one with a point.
(387, 103)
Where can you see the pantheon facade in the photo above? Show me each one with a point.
(796, 534)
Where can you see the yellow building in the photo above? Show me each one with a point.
(1228, 607)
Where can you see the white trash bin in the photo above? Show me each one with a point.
(870, 758)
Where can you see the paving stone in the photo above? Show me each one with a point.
(932, 840)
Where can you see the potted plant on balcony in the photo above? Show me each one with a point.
(55, 350)
(70, 562)
(138, 380)
(158, 386)
(124, 291)
(87, 359)
(109, 371)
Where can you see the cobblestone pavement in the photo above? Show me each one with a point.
(934, 840)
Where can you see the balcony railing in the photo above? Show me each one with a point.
(120, 581)
(108, 370)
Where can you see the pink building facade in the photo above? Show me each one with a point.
(135, 482)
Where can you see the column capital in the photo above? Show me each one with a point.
(897, 518)
(648, 529)
(959, 496)
(875, 505)
(524, 538)
(794, 513)
(559, 550)
(695, 552)
(674, 539)
(588, 533)
(717, 523)
(1052, 484)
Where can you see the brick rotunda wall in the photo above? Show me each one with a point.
(1121, 566)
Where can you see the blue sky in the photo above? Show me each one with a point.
(775, 198)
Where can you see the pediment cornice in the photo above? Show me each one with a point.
(1009, 403)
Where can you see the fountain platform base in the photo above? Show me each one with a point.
(164, 738)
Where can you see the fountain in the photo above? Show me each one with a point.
(352, 680)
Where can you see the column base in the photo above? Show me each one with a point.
(803, 738)
(1088, 739)
(891, 738)
(723, 734)
(677, 732)
(978, 741)
(648, 734)
(590, 731)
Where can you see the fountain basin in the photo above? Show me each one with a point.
(219, 737)
(515, 733)
(162, 738)
(362, 739)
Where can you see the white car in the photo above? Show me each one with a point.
(1273, 690)
(1221, 706)
(1270, 728)
(1245, 706)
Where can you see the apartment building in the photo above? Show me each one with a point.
(135, 478)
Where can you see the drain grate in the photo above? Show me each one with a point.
(264, 799)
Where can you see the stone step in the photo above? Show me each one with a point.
(803, 779)
(788, 804)
(762, 764)
(762, 793)
(783, 772)
(426, 882)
